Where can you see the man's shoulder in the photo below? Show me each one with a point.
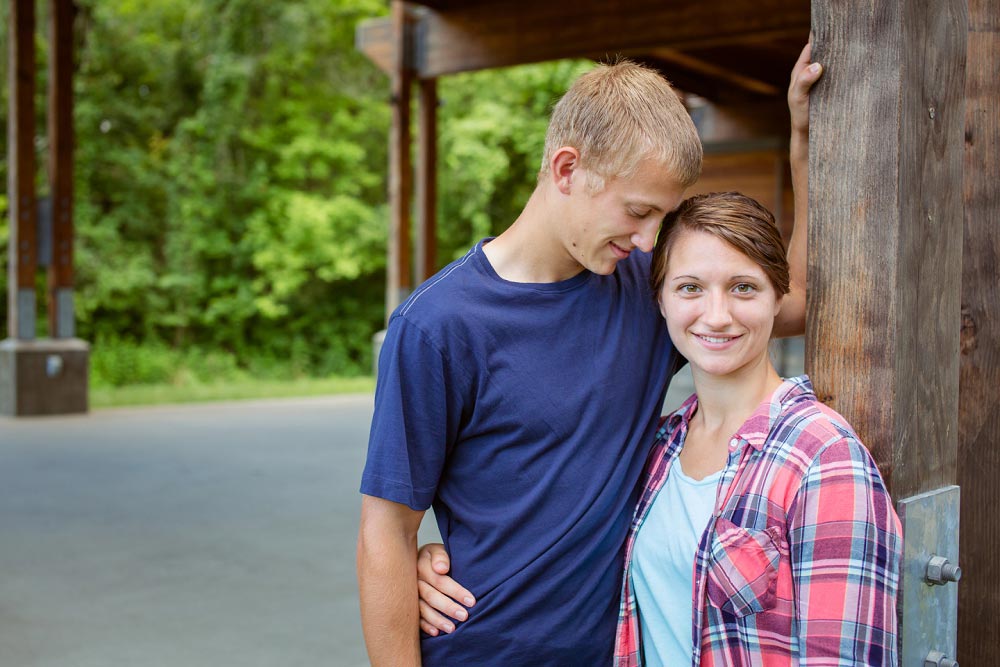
(444, 293)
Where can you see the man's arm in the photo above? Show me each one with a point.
(387, 580)
(791, 321)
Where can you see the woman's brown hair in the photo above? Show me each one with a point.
(738, 220)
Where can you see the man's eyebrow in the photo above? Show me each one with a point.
(639, 202)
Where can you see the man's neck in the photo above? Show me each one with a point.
(530, 250)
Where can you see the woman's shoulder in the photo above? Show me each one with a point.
(809, 426)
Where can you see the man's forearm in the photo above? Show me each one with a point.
(387, 581)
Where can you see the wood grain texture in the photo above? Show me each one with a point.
(22, 247)
(60, 121)
(931, 214)
(884, 247)
(979, 389)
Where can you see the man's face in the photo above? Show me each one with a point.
(604, 227)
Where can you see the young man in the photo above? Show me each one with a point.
(519, 390)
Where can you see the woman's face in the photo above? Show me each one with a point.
(719, 305)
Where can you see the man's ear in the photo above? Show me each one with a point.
(564, 164)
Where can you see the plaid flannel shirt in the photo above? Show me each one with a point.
(799, 564)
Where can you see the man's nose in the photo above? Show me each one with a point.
(645, 236)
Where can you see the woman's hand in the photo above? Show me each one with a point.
(438, 592)
(804, 74)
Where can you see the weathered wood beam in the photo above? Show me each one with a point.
(399, 281)
(60, 272)
(22, 245)
(481, 36)
(885, 247)
(885, 266)
(426, 246)
(979, 384)
(714, 71)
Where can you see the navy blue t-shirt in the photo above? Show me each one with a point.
(523, 413)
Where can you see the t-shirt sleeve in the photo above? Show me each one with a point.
(418, 407)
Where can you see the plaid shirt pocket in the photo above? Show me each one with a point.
(743, 570)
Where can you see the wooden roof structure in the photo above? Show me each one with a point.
(743, 51)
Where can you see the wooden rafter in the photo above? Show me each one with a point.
(483, 35)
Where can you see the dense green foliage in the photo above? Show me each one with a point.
(231, 207)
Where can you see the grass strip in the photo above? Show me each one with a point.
(161, 394)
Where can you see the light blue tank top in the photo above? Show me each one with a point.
(663, 565)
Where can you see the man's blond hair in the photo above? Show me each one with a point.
(618, 115)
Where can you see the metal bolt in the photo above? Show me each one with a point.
(939, 659)
(932, 112)
(940, 571)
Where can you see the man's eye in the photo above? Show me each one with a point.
(638, 214)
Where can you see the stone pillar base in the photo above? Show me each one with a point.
(43, 377)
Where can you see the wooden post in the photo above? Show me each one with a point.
(48, 375)
(426, 246)
(885, 267)
(399, 279)
(885, 250)
(22, 245)
(60, 272)
(979, 388)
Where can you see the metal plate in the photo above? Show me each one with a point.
(65, 315)
(929, 614)
(26, 313)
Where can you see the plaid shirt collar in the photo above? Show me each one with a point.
(758, 427)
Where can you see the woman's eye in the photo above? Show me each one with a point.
(689, 289)
(744, 288)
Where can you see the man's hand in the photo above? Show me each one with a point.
(441, 596)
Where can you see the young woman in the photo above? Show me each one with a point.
(764, 534)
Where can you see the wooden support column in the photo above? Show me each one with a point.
(885, 249)
(426, 246)
(22, 245)
(885, 266)
(979, 388)
(47, 375)
(60, 272)
(399, 279)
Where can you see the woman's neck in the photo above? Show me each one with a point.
(725, 402)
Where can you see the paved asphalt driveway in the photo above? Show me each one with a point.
(209, 535)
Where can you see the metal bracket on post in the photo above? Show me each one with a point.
(928, 600)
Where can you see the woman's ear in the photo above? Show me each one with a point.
(659, 302)
(564, 164)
